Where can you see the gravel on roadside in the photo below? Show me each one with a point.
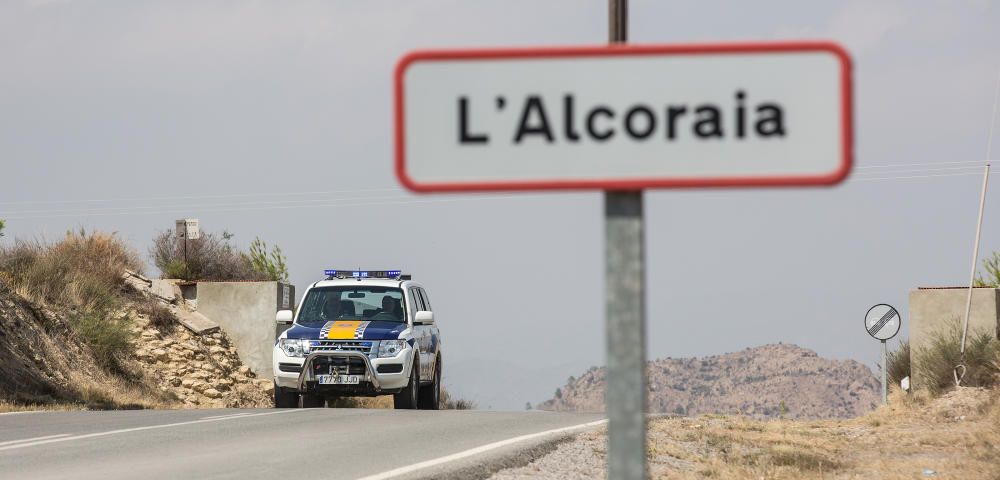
(582, 457)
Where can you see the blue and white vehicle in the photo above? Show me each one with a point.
(359, 333)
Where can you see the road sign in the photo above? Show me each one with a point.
(188, 229)
(624, 117)
(882, 322)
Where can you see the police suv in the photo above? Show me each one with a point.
(359, 333)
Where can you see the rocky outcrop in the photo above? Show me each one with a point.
(198, 370)
(762, 382)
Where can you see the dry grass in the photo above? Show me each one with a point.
(160, 317)
(80, 270)
(450, 403)
(956, 435)
(385, 401)
(81, 274)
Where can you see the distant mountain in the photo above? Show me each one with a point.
(763, 382)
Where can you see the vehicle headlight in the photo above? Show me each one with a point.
(294, 347)
(390, 348)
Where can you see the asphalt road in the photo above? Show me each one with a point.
(252, 444)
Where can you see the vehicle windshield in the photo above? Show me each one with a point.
(360, 302)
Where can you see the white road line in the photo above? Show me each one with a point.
(21, 413)
(32, 439)
(139, 429)
(227, 416)
(476, 451)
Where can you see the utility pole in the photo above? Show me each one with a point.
(626, 312)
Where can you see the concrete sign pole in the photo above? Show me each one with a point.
(626, 313)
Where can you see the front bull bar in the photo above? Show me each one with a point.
(306, 374)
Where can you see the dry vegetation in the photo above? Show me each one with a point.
(82, 274)
(215, 257)
(956, 435)
(70, 329)
(65, 326)
(385, 401)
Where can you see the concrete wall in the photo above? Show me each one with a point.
(245, 311)
(934, 308)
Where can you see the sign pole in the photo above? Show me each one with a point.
(626, 315)
(885, 367)
(882, 322)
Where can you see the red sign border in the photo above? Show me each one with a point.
(847, 120)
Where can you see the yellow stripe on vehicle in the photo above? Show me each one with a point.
(343, 330)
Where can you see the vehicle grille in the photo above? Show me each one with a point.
(363, 346)
(344, 365)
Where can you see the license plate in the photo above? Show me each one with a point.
(338, 379)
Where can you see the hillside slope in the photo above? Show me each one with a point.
(44, 361)
(762, 382)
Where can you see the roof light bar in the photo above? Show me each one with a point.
(363, 273)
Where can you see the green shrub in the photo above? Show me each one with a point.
(934, 364)
(108, 336)
(992, 277)
(898, 362)
(270, 264)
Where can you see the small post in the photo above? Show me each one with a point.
(626, 313)
(885, 368)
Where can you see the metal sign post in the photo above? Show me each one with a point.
(882, 323)
(187, 228)
(624, 283)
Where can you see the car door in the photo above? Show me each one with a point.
(421, 334)
(432, 337)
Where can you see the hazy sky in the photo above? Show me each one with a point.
(274, 119)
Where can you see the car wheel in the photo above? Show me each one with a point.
(284, 398)
(407, 399)
(430, 396)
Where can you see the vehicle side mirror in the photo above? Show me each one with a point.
(284, 317)
(423, 317)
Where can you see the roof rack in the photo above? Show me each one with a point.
(362, 274)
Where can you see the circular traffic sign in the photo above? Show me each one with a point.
(882, 322)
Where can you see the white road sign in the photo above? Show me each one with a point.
(882, 322)
(188, 228)
(624, 117)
